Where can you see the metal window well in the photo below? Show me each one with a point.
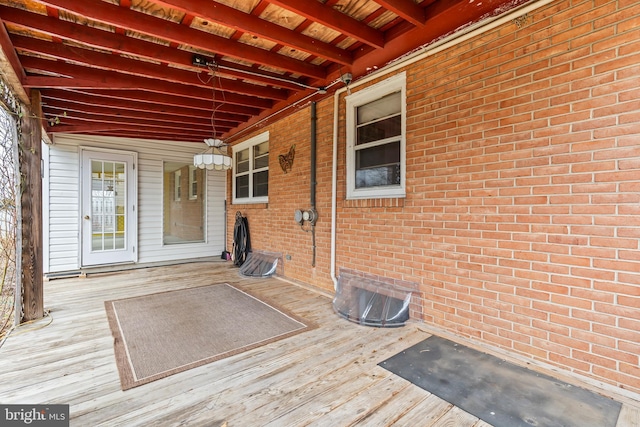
(370, 302)
(260, 264)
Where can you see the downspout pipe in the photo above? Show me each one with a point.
(314, 142)
(314, 183)
(334, 183)
(445, 43)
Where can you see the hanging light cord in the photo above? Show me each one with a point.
(215, 80)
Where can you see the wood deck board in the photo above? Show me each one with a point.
(367, 407)
(426, 413)
(325, 376)
(629, 417)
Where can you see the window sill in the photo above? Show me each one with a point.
(250, 205)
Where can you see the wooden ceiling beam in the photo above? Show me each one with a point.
(59, 97)
(119, 43)
(328, 16)
(248, 23)
(87, 78)
(135, 130)
(145, 69)
(174, 32)
(12, 57)
(77, 117)
(156, 136)
(74, 118)
(170, 100)
(69, 108)
(11, 67)
(406, 9)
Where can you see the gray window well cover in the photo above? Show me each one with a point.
(370, 302)
(260, 264)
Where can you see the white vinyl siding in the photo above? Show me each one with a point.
(62, 192)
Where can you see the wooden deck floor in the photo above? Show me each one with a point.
(325, 377)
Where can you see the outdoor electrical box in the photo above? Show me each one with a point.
(309, 215)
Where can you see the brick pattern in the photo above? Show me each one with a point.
(521, 224)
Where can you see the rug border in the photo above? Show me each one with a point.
(123, 363)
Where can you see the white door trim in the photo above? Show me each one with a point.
(129, 253)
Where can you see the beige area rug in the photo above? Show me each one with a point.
(162, 334)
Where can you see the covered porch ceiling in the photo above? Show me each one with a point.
(164, 69)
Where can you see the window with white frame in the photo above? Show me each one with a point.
(376, 127)
(251, 170)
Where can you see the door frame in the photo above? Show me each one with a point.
(131, 219)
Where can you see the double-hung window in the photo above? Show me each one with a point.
(251, 170)
(376, 127)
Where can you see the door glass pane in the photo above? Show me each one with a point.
(120, 210)
(108, 241)
(108, 199)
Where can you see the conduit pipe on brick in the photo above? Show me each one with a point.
(313, 159)
(417, 55)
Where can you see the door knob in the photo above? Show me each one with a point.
(86, 217)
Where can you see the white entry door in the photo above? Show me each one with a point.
(108, 211)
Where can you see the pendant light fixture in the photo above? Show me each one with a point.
(214, 157)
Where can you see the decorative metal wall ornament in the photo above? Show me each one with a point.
(522, 21)
(286, 160)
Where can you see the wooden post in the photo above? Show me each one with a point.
(30, 155)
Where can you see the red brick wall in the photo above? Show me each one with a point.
(521, 223)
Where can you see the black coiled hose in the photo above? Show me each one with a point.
(241, 242)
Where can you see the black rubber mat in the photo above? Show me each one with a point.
(498, 392)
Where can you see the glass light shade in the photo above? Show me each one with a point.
(212, 158)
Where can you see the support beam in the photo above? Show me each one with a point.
(248, 23)
(177, 33)
(134, 67)
(331, 18)
(10, 65)
(406, 9)
(125, 45)
(88, 78)
(30, 157)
